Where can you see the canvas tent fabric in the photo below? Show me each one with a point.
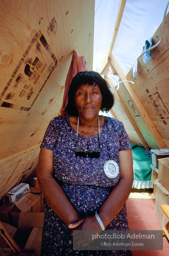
(140, 20)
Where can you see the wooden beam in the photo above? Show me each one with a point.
(138, 103)
(131, 119)
(117, 24)
(106, 77)
(113, 113)
(165, 208)
(105, 69)
(10, 241)
(116, 28)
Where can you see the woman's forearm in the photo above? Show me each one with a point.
(110, 208)
(53, 193)
(115, 201)
(57, 200)
(120, 193)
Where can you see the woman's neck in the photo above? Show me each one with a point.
(88, 123)
(87, 127)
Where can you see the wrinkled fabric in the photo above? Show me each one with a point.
(77, 65)
(147, 56)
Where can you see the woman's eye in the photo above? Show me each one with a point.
(95, 92)
(80, 93)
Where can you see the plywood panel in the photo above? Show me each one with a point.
(120, 113)
(151, 83)
(17, 168)
(37, 41)
(134, 111)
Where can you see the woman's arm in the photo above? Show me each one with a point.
(120, 193)
(53, 193)
(115, 201)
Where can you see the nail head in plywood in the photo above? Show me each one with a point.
(5, 58)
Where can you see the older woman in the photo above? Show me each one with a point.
(84, 169)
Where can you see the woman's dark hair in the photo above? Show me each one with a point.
(89, 77)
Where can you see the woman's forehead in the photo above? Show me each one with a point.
(86, 85)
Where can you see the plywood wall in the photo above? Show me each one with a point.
(118, 109)
(151, 86)
(143, 106)
(37, 41)
(137, 117)
(122, 113)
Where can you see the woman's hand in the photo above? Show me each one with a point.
(89, 223)
(75, 224)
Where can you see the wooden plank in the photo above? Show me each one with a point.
(151, 83)
(32, 103)
(105, 69)
(17, 168)
(135, 112)
(139, 105)
(166, 232)
(153, 93)
(7, 237)
(35, 57)
(117, 24)
(116, 28)
(131, 119)
(19, 153)
(137, 118)
(119, 114)
(165, 208)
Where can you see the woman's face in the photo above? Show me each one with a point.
(88, 100)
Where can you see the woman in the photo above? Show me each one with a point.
(84, 169)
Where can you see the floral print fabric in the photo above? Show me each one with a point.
(82, 179)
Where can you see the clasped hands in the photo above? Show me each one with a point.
(88, 223)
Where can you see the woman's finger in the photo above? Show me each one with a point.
(75, 224)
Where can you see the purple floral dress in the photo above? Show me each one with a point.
(83, 180)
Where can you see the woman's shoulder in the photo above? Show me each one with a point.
(111, 122)
(59, 121)
(59, 118)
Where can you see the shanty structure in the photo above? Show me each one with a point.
(126, 41)
(44, 43)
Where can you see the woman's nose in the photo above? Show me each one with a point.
(88, 97)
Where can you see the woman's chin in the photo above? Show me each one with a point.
(89, 115)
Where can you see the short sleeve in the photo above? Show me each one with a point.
(51, 136)
(124, 142)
